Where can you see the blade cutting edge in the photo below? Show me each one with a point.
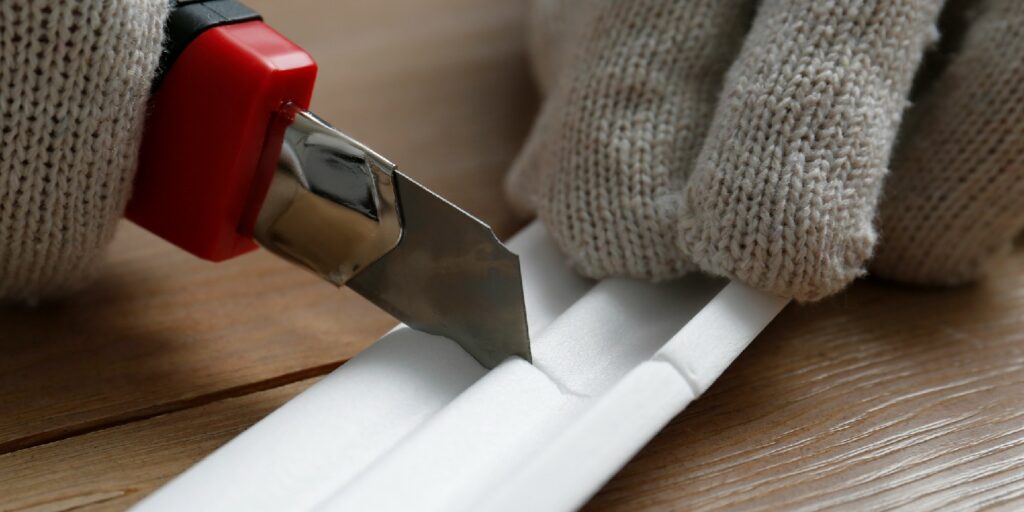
(450, 275)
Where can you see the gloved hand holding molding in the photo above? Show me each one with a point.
(755, 140)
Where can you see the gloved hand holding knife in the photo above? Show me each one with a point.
(227, 157)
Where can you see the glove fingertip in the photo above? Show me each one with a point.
(786, 238)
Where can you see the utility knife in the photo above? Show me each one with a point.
(232, 160)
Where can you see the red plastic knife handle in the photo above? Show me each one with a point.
(213, 135)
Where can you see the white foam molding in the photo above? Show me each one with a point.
(591, 449)
(415, 423)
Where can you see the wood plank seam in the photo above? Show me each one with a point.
(61, 434)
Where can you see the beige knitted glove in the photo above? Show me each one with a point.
(751, 140)
(74, 80)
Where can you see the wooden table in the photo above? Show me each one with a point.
(880, 396)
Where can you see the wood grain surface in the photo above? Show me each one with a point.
(881, 397)
(112, 468)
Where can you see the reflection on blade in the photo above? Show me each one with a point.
(449, 275)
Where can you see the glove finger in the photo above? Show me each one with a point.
(785, 188)
(75, 81)
(627, 122)
(953, 202)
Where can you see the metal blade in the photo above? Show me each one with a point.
(338, 209)
(450, 276)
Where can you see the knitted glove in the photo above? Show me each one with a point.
(74, 80)
(751, 140)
